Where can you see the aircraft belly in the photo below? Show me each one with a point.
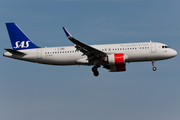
(60, 60)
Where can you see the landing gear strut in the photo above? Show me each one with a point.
(154, 68)
(95, 71)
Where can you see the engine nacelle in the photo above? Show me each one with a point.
(116, 62)
(115, 59)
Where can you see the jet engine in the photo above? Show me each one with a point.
(116, 62)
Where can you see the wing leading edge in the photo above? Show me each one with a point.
(91, 52)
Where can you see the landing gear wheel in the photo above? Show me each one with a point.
(154, 68)
(94, 69)
(96, 73)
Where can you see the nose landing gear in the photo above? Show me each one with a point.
(154, 68)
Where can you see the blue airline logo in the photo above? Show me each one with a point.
(23, 44)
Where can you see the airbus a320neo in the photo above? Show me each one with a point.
(110, 56)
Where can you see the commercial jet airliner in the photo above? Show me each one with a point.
(111, 56)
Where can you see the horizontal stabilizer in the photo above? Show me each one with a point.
(14, 52)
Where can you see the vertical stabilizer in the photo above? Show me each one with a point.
(18, 39)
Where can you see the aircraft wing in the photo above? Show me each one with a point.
(91, 52)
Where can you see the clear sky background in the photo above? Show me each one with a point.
(30, 91)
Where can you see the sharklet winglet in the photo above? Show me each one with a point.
(67, 33)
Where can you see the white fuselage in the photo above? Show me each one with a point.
(68, 55)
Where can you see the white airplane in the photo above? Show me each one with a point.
(111, 56)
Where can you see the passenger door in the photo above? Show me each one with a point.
(153, 47)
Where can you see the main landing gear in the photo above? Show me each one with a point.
(95, 71)
(154, 68)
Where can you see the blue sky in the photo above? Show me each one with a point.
(33, 91)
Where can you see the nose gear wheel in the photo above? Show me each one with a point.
(154, 68)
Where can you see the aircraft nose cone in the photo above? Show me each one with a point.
(174, 53)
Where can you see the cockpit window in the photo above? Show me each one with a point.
(165, 47)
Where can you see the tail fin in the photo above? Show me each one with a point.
(18, 39)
